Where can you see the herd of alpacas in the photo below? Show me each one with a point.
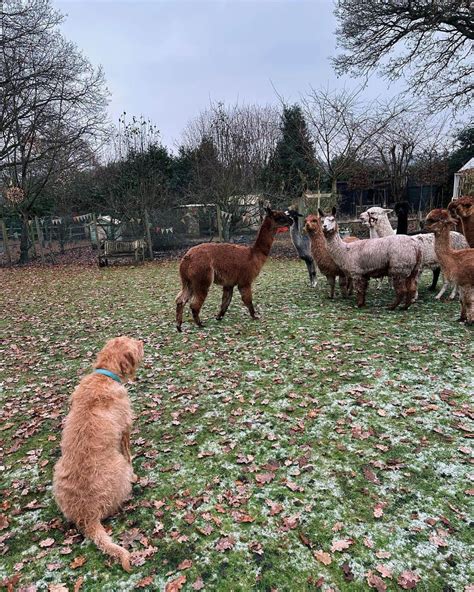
(386, 253)
(94, 475)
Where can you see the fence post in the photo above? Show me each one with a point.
(6, 246)
(148, 235)
(31, 235)
(40, 237)
(220, 233)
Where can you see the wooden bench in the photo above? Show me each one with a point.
(117, 248)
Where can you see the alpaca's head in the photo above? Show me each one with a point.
(277, 218)
(364, 218)
(312, 224)
(375, 214)
(437, 220)
(401, 208)
(462, 207)
(294, 215)
(330, 223)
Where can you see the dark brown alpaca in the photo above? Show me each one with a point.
(228, 266)
(463, 210)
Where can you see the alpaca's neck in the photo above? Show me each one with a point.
(402, 224)
(295, 233)
(384, 228)
(264, 241)
(443, 249)
(316, 236)
(373, 232)
(337, 249)
(468, 229)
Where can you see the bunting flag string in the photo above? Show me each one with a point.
(82, 218)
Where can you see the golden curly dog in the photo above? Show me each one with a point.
(94, 475)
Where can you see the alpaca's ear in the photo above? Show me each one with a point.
(388, 211)
(320, 212)
(334, 210)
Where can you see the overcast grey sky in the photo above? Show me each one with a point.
(166, 59)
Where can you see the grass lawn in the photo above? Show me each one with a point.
(320, 448)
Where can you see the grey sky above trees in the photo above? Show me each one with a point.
(169, 59)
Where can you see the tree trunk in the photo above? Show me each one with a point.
(334, 186)
(24, 240)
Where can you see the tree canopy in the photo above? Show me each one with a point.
(429, 43)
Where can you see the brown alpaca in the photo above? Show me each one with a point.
(323, 259)
(227, 265)
(94, 475)
(463, 210)
(457, 265)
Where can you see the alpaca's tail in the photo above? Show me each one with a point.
(412, 280)
(97, 534)
(417, 267)
(181, 300)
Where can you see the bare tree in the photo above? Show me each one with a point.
(25, 28)
(53, 107)
(230, 146)
(428, 42)
(343, 126)
(399, 143)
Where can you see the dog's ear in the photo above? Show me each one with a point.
(268, 211)
(127, 363)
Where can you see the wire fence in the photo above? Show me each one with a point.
(46, 238)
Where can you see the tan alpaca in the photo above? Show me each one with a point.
(457, 266)
(94, 475)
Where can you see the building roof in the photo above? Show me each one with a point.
(468, 166)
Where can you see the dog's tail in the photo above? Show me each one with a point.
(97, 534)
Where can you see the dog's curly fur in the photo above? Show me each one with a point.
(94, 475)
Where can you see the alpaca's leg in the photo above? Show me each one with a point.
(312, 274)
(246, 294)
(349, 285)
(454, 292)
(360, 286)
(226, 299)
(332, 285)
(343, 285)
(469, 304)
(181, 300)
(464, 299)
(444, 287)
(311, 271)
(410, 291)
(434, 283)
(196, 305)
(399, 285)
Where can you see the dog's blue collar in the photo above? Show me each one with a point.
(108, 373)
